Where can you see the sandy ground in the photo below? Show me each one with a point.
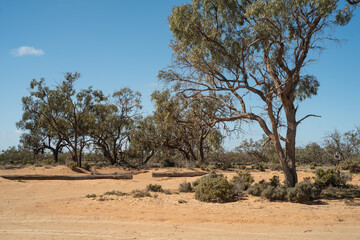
(60, 210)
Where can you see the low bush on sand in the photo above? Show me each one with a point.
(213, 188)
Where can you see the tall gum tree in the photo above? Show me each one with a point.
(256, 51)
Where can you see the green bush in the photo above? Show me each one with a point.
(353, 165)
(257, 188)
(140, 193)
(303, 192)
(91, 196)
(87, 166)
(259, 166)
(117, 193)
(274, 181)
(277, 193)
(213, 188)
(72, 165)
(243, 180)
(154, 188)
(185, 187)
(330, 177)
(275, 167)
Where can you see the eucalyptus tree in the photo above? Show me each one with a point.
(186, 125)
(145, 139)
(38, 135)
(113, 123)
(64, 112)
(256, 51)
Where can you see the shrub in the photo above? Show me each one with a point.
(330, 177)
(275, 167)
(259, 166)
(213, 188)
(86, 166)
(242, 167)
(185, 187)
(117, 193)
(303, 192)
(243, 180)
(275, 181)
(353, 165)
(167, 191)
(140, 193)
(91, 196)
(154, 188)
(313, 166)
(275, 193)
(72, 165)
(257, 188)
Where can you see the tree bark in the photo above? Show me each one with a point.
(178, 174)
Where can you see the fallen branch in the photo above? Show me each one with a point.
(178, 174)
(65, 177)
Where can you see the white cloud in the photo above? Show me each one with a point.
(25, 50)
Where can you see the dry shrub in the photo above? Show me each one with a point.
(213, 188)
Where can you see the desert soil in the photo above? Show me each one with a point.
(59, 209)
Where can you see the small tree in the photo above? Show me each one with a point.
(63, 112)
(38, 136)
(186, 126)
(113, 123)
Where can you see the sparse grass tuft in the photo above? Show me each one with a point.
(91, 196)
(185, 187)
(117, 193)
(154, 188)
(140, 193)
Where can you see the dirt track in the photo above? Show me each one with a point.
(59, 210)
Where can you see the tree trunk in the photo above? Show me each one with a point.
(201, 149)
(148, 157)
(290, 171)
(56, 155)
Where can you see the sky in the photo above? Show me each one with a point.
(118, 43)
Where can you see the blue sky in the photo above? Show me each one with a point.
(118, 43)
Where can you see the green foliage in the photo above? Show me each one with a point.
(242, 180)
(91, 196)
(275, 181)
(275, 193)
(140, 193)
(185, 126)
(213, 188)
(260, 166)
(116, 193)
(257, 188)
(17, 155)
(330, 177)
(154, 188)
(72, 165)
(353, 165)
(87, 166)
(185, 187)
(303, 192)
